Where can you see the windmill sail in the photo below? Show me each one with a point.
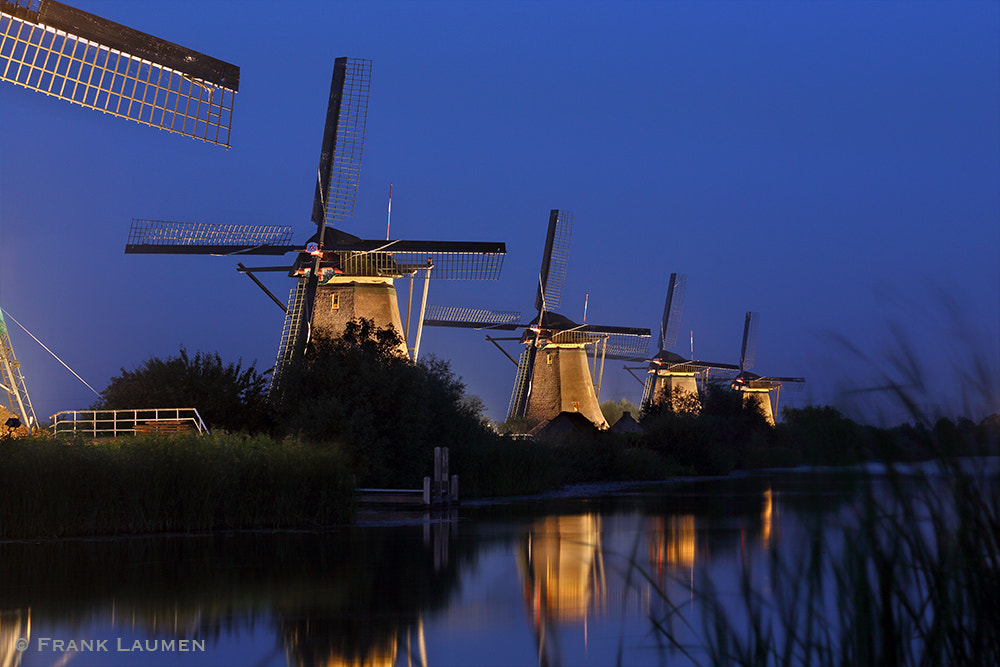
(622, 342)
(12, 381)
(196, 238)
(522, 384)
(343, 142)
(672, 309)
(292, 340)
(471, 318)
(748, 350)
(450, 260)
(67, 53)
(555, 258)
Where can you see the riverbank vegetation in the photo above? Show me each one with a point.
(355, 413)
(52, 487)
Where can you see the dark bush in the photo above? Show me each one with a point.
(226, 396)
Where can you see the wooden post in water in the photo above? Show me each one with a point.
(436, 488)
(443, 494)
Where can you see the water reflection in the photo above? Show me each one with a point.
(336, 599)
(15, 625)
(559, 564)
(574, 575)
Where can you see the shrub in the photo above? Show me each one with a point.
(226, 396)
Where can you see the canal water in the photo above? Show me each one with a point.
(603, 575)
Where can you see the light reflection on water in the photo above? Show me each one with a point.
(559, 580)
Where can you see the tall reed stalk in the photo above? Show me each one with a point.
(912, 574)
(912, 577)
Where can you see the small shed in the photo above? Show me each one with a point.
(626, 424)
(565, 423)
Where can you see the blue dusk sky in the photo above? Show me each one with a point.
(832, 165)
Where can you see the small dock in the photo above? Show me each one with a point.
(440, 490)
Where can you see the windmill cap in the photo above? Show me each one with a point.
(665, 356)
(554, 321)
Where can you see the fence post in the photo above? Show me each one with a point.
(427, 490)
(453, 496)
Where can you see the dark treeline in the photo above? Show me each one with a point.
(718, 432)
(356, 413)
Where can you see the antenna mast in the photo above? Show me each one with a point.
(388, 217)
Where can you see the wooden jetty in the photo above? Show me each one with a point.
(441, 490)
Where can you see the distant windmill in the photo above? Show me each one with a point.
(67, 53)
(12, 381)
(668, 373)
(752, 386)
(553, 374)
(340, 277)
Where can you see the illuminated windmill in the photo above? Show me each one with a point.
(752, 386)
(12, 381)
(60, 51)
(339, 277)
(668, 373)
(554, 374)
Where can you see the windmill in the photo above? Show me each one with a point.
(668, 372)
(12, 383)
(339, 277)
(751, 385)
(554, 374)
(66, 53)
(72, 55)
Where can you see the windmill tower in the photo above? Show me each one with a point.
(752, 386)
(668, 372)
(66, 53)
(554, 373)
(339, 277)
(12, 381)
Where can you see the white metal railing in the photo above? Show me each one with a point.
(114, 423)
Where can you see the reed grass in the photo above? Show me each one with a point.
(155, 484)
(911, 575)
(912, 578)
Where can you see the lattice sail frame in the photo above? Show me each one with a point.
(619, 345)
(555, 260)
(60, 51)
(12, 380)
(343, 141)
(164, 237)
(748, 349)
(470, 318)
(672, 310)
(484, 264)
(291, 343)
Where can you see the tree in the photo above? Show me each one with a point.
(358, 392)
(226, 396)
